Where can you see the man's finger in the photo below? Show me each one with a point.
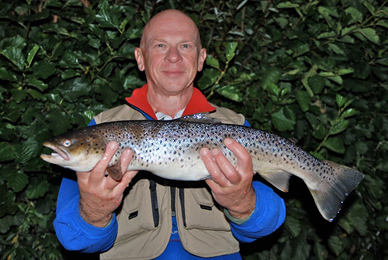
(244, 160)
(98, 173)
(227, 168)
(212, 166)
(125, 160)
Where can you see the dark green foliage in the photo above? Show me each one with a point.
(312, 71)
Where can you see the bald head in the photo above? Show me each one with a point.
(174, 21)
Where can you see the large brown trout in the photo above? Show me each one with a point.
(170, 149)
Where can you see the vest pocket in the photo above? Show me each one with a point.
(200, 212)
(139, 213)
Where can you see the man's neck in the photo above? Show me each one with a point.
(168, 104)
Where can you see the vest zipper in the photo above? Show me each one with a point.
(154, 203)
(182, 199)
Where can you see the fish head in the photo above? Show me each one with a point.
(79, 151)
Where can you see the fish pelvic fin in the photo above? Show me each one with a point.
(114, 171)
(279, 179)
(333, 190)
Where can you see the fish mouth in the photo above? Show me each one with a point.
(60, 154)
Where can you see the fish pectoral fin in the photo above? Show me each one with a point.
(279, 179)
(115, 171)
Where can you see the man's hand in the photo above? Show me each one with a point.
(100, 195)
(231, 185)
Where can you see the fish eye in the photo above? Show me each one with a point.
(66, 143)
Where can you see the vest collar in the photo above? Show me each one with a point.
(197, 103)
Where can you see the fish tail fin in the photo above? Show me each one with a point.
(334, 188)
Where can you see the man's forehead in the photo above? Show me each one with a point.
(170, 23)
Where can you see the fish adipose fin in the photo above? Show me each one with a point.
(278, 179)
(332, 191)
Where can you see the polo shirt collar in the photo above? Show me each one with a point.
(197, 103)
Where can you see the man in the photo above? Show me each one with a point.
(144, 217)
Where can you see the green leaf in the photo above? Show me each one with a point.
(349, 112)
(287, 4)
(270, 75)
(7, 75)
(303, 99)
(8, 205)
(382, 23)
(283, 119)
(319, 132)
(231, 50)
(368, 33)
(70, 73)
(211, 61)
(131, 82)
(107, 17)
(361, 147)
(69, 60)
(31, 55)
(336, 49)
(7, 152)
(339, 126)
(30, 149)
(317, 83)
(320, 251)
(18, 95)
(340, 100)
(37, 188)
(59, 122)
(43, 69)
(300, 48)
(335, 144)
(15, 55)
(17, 181)
(273, 89)
(331, 76)
(36, 94)
(209, 77)
(355, 14)
(335, 244)
(230, 92)
(293, 226)
(31, 81)
(345, 71)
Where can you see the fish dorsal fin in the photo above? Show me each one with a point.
(200, 118)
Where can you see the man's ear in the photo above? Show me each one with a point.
(139, 58)
(201, 58)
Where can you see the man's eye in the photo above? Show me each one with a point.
(160, 45)
(186, 46)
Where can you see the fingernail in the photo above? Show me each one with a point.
(204, 151)
(228, 141)
(214, 152)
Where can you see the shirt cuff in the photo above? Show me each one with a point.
(238, 221)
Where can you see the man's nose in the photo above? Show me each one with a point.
(173, 55)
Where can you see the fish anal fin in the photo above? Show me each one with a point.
(114, 171)
(279, 179)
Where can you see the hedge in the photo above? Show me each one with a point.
(315, 72)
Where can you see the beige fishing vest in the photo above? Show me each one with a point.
(144, 218)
